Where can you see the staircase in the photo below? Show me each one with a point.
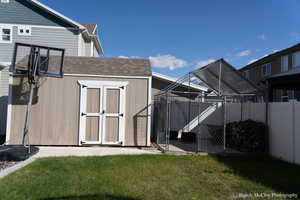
(199, 119)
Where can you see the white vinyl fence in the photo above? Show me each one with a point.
(283, 122)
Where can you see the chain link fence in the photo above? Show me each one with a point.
(189, 125)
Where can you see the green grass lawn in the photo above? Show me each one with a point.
(150, 177)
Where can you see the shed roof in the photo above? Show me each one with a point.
(107, 66)
(98, 65)
(173, 80)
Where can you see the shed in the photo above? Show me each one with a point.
(100, 101)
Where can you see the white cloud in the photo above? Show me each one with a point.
(167, 61)
(204, 63)
(262, 37)
(243, 53)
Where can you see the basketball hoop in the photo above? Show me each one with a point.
(36, 61)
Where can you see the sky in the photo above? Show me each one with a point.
(179, 36)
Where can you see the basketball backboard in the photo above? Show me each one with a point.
(49, 60)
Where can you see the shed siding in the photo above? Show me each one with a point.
(23, 12)
(55, 117)
(53, 37)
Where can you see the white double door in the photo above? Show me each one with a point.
(102, 112)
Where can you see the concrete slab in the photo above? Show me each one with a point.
(90, 151)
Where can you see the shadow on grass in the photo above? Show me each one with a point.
(91, 197)
(278, 175)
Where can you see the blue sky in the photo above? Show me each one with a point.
(180, 35)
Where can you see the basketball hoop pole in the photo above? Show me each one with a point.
(32, 82)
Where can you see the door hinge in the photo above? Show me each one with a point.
(121, 115)
(82, 142)
(84, 86)
(122, 87)
(83, 114)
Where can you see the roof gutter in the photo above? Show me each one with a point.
(95, 39)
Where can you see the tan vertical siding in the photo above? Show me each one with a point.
(55, 113)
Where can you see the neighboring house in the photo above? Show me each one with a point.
(31, 22)
(279, 72)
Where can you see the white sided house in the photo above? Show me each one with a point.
(31, 22)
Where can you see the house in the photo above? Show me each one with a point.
(35, 23)
(279, 72)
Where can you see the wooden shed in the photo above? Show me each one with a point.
(100, 101)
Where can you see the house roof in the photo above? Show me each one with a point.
(55, 13)
(272, 56)
(90, 27)
(173, 80)
(85, 28)
(106, 66)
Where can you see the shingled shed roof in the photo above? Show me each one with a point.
(107, 66)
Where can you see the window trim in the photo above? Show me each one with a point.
(293, 59)
(1, 33)
(262, 69)
(24, 28)
(282, 62)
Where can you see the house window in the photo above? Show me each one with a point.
(247, 74)
(267, 69)
(4, 1)
(5, 34)
(296, 59)
(24, 30)
(284, 63)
